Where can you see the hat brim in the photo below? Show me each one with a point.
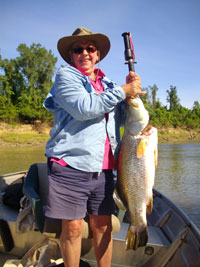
(101, 42)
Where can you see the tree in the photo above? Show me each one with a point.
(37, 67)
(154, 90)
(27, 79)
(11, 81)
(145, 98)
(172, 98)
(193, 119)
(196, 106)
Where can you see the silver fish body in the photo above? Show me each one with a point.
(135, 177)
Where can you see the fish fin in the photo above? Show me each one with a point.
(131, 240)
(135, 107)
(141, 149)
(118, 159)
(150, 206)
(116, 163)
(137, 239)
(118, 200)
(143, 237)
(156, 157)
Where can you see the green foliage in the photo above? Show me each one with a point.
(193, 117)
(176, 116)
(7, 113)
(172, 98)
(25, 82)
(154, 90)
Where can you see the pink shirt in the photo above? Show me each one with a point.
(108, 161)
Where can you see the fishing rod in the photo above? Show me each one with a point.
(129, 51)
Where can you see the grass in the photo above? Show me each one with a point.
(179, 135)
(15, 124)
(23, 138)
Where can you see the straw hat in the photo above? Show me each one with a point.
(100, 40)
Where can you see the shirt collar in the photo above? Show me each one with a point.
(100, 74)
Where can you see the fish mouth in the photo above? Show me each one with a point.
(133, 102)
(147, 131)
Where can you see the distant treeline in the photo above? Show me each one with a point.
(26, 80)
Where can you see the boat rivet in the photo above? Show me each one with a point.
(149, 250)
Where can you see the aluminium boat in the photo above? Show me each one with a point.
(173, 240)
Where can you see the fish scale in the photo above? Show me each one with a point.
(136, 172)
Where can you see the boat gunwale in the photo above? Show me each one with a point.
(156, 192)
(12, 174)
(172, 205)
(188, 222)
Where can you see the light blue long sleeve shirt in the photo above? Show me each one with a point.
(80, 128)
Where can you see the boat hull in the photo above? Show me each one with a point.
(173, 238)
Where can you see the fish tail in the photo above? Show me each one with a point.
(137, 239)
(150, 206)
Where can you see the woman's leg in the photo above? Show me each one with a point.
(101, 227)
(70, 242)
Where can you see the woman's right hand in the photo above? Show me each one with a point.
(133, 86)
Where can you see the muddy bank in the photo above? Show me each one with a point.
(38, 134)
(24, 134)
(178, 135)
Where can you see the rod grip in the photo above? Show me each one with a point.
(128, 52)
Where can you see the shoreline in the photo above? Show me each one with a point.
(38, 133)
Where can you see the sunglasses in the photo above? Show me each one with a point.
(79, 50)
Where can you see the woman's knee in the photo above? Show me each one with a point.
(101, 223)
(71, 229)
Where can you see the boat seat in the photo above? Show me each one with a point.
(8, 216)
(36, 189)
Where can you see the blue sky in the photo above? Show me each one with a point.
(166, 36)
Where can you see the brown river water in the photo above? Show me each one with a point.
(177, 174)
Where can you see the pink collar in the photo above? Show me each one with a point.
(100, 73)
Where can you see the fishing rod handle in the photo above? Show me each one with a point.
(128, 52)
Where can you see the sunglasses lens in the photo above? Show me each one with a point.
(79, 50)
(91, 49)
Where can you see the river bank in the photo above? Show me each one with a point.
(38, 133)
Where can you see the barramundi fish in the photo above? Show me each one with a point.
(136, 171)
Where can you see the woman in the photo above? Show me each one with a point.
(88, 110)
